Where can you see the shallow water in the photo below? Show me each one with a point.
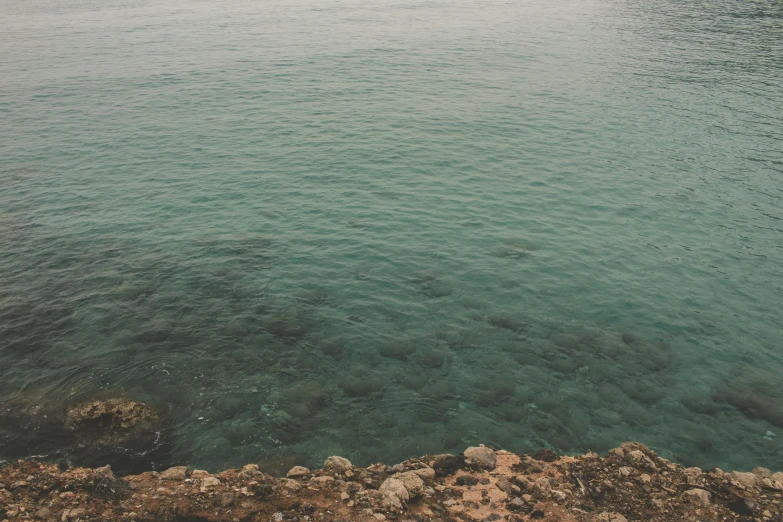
(380, 229)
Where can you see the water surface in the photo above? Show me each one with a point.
(382, 229)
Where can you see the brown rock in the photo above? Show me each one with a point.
(699, 495)
(175, 473)
(482, 457)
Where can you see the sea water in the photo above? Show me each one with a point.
(384, 229)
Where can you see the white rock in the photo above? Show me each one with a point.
(394, 492)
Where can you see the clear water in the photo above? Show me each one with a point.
(380, 229)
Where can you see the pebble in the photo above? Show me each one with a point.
(337, 464)
(482, 457)
(277, 517)
(611, 517)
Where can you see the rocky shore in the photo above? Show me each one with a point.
(631, 484)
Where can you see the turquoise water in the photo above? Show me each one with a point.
(382, 229)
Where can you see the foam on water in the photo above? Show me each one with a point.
(319, 228)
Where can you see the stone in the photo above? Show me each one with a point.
(505, 486)
(208, 482)
(699, 495)
(394, 492)
(297, 471)
(43, 513)
(227, 499)
(344, 496)
(175, 473)
(762, 473)
(639, 460)
(645, 478)
(103, 473)
(516, 503)
(542, 485)
(277, 517)
(337, 464)
(290, 484)
(625, 471)
(466, 480)
(611, 517)
(482, 457)
(746, 480)
(412, 483)
(425, 473)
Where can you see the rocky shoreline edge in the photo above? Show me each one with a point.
(631, 484)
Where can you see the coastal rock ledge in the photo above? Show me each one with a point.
(631, 484)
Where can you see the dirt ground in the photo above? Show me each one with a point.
(631, 484)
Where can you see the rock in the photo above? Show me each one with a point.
(617, 452)
(542, 485)
(482, 457)
(762, 473)
(208, 482)
(290, 485)
(337, 464)
(394, 492)
(412, 483)
(506, 487)
(103, 473)
(277, 517)
(175, 473)
(639, 460)
(466, 480)
(108, 431)
(516, 503)
(425, 473)
(699, 495)
(625, 471)
(344, 496)
(746, 480)
(611, 517)
(43, 513)
(297, 471)
(227, 499)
